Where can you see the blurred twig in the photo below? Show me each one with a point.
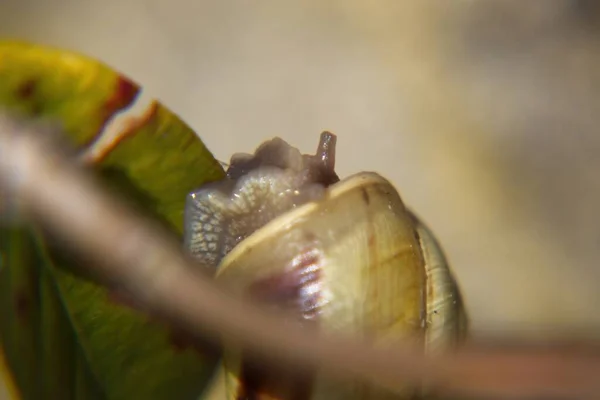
(137, 255)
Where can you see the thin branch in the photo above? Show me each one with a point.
(143, 259)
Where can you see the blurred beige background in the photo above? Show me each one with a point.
(483, 113)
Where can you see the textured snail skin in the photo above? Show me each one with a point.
(350, 259)
(258, 188)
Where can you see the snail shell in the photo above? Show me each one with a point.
(340, 256)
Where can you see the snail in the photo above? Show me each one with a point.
(340, 255)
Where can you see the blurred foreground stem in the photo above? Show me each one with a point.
(140, 257)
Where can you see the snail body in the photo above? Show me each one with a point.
(342, 256)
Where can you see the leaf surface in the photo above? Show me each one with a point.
(64, 336)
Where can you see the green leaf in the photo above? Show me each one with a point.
(64, 336)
